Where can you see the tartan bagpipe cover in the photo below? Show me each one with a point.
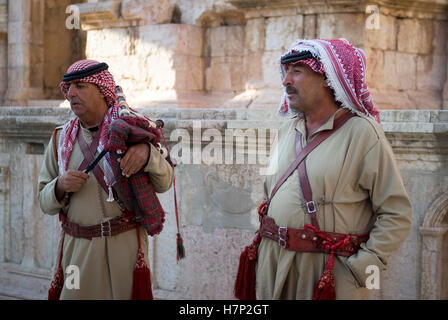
(136, 192)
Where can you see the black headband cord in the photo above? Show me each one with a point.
(85, 72)
(294, 57)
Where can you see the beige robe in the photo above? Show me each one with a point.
(358, 188)
(105, 264)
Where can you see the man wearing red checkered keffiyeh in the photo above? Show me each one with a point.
(331, 219)
(99, 233)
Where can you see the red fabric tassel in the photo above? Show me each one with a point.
(141, 288)
(54, 293)
(325, 288)
(56, 285)
(180, 247)
(245, 280)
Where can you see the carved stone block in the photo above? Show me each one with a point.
(148, 12)
(407, 39)
(99, 14)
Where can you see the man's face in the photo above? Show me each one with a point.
(86, 100)
(303, 86)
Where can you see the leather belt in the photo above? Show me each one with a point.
(107, 228)
(311, 239)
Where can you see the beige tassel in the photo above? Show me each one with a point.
(111, 195)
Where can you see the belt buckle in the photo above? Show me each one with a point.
(105, 228)
(282, 238)
(311, 206)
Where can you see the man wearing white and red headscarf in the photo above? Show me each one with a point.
(99, 235)
(359, 204)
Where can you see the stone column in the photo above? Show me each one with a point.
(431, 281)
(445, 90)
(3, 48)
(25, 50)
(3, 65)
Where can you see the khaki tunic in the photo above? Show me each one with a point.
(105, 264)
(357, 187)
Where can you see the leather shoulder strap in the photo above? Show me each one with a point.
(338, 122)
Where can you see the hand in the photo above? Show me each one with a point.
(70, 181)
(134, 159)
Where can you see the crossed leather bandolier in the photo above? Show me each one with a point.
(310, 238)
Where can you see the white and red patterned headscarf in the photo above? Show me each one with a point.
(345, 68)
(106, 84)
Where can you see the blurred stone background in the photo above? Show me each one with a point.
(216, 63)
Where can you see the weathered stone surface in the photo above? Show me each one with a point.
(253, 71)
(406, 99)
(19, 10)
(440, 37)
(445, 96)
(269, 98)
(425, 99)
(343, 25)
(255, 33)
(429, 74)
(109, 42)
(281, 32)
(225, 41)
(194, 12)
(309, 26)
(18, 56)
(432, 266)
(3, 17)
(3, 51)
(95, 13)
(400, 71)
(154, 12)
(224, 74)
(22, 30)
(375, 67)
(407, 40)
(179, 38)
(271, 69)
(383, 38)
(3, 83)
(190, 73)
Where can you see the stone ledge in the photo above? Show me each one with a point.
(161, 294)
(24, 284)
(405, 121)
(406, 8)
(3, 18)
(95, 14)
(124, 13)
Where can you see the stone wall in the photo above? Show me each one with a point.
(61, 46)
(204, 53)
(215, 229)
(25, 50)
(234, 47)
(3, 48)
(35, 49)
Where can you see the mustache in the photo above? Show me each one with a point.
(291, 89)
(74, 100)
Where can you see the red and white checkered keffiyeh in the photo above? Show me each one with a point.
(313, 63)
(106, 84)
(345, 68)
